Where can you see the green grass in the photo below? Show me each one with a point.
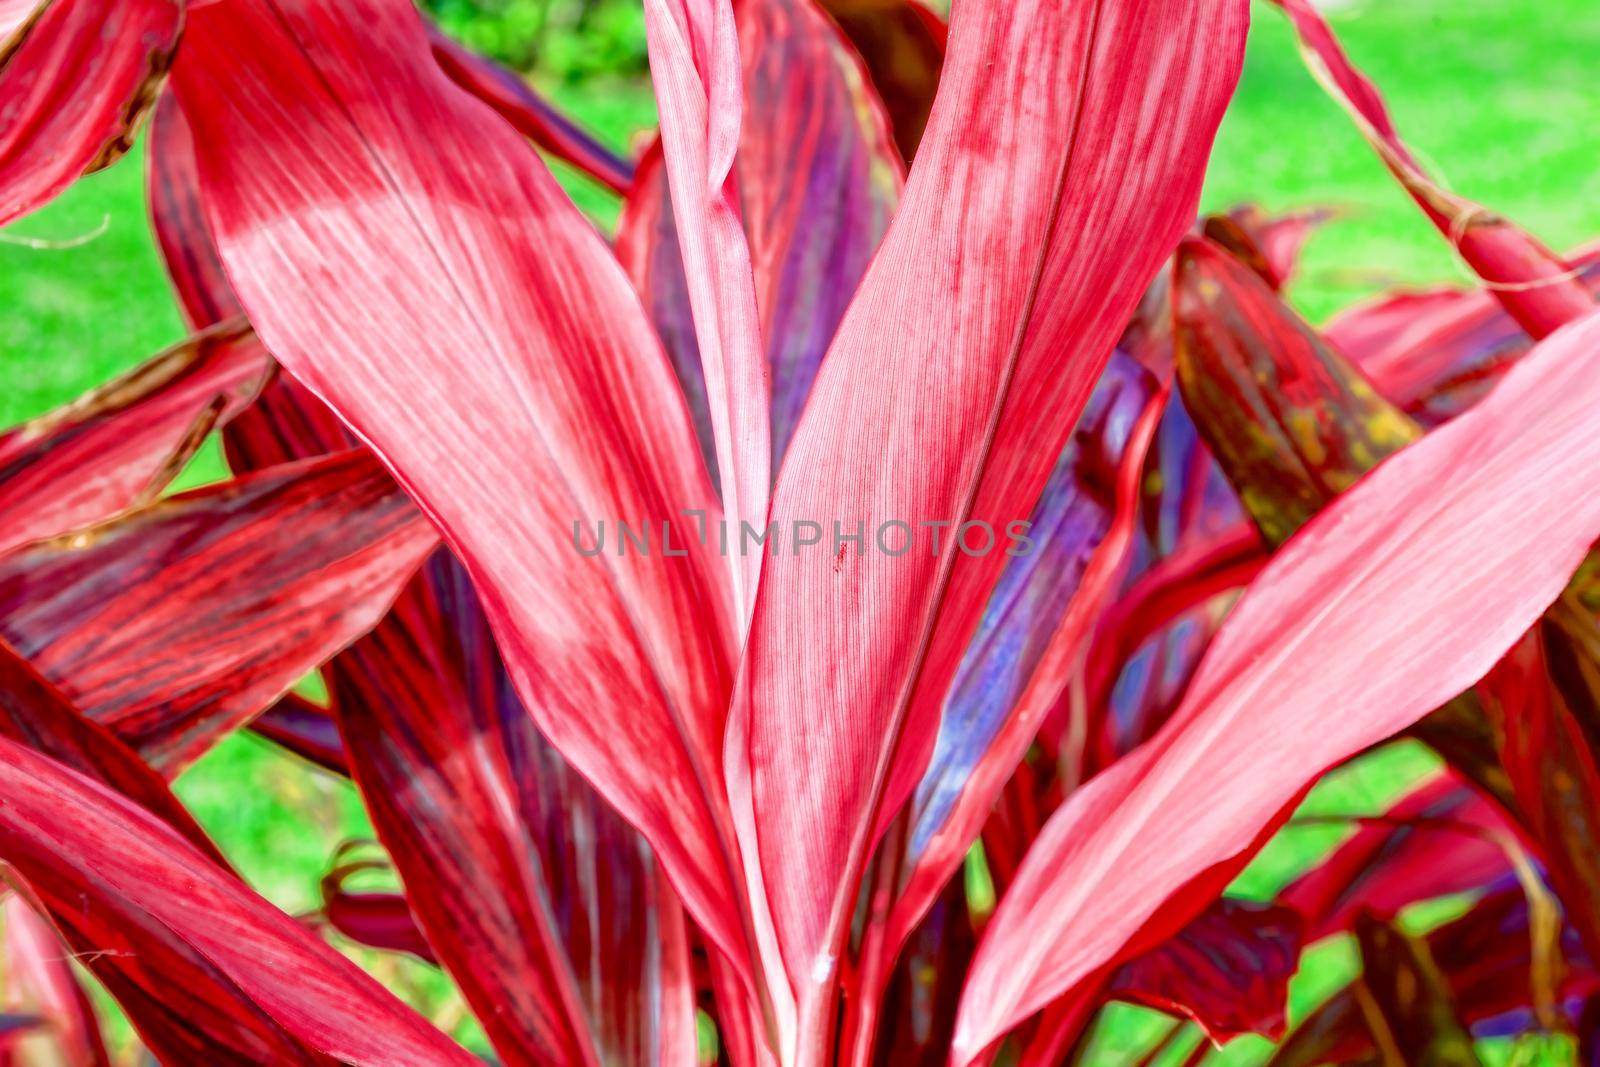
(1498, 97)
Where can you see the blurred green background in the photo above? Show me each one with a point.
(1498, 97)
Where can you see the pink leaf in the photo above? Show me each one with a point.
(404, 253)
(1021, 247)
(695, 69)
(1396, 597)
(14, 14)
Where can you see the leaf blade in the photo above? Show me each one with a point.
(1476, 481)
(543, 903)
(851, 652)
(115, 444)
(117, 881)
(179, 622)
(561, 420)
(699, 85)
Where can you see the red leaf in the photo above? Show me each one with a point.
(373, 918)
(204, 293)
(648, 248)
(306, 730)
(286, 422)
(543, 904)
(1437, 352)
(508, 906)
(1228, 970)
(77, 76)
(179, 941)
(1196, 550)
(1530, 281)
(406, 255)
(1396, 597)
(123, 441)
(1494, 969)
(34, 713)
(1292, 424)
(1204, 568)
(1270, 244)
(1410, 998)
(818, 179)
(1424, 847)
(1540, 725)
(1020, 249)
(1289, 420)
(179, 622)
(916, 1012)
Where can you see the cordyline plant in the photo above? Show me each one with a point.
(692, 607)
